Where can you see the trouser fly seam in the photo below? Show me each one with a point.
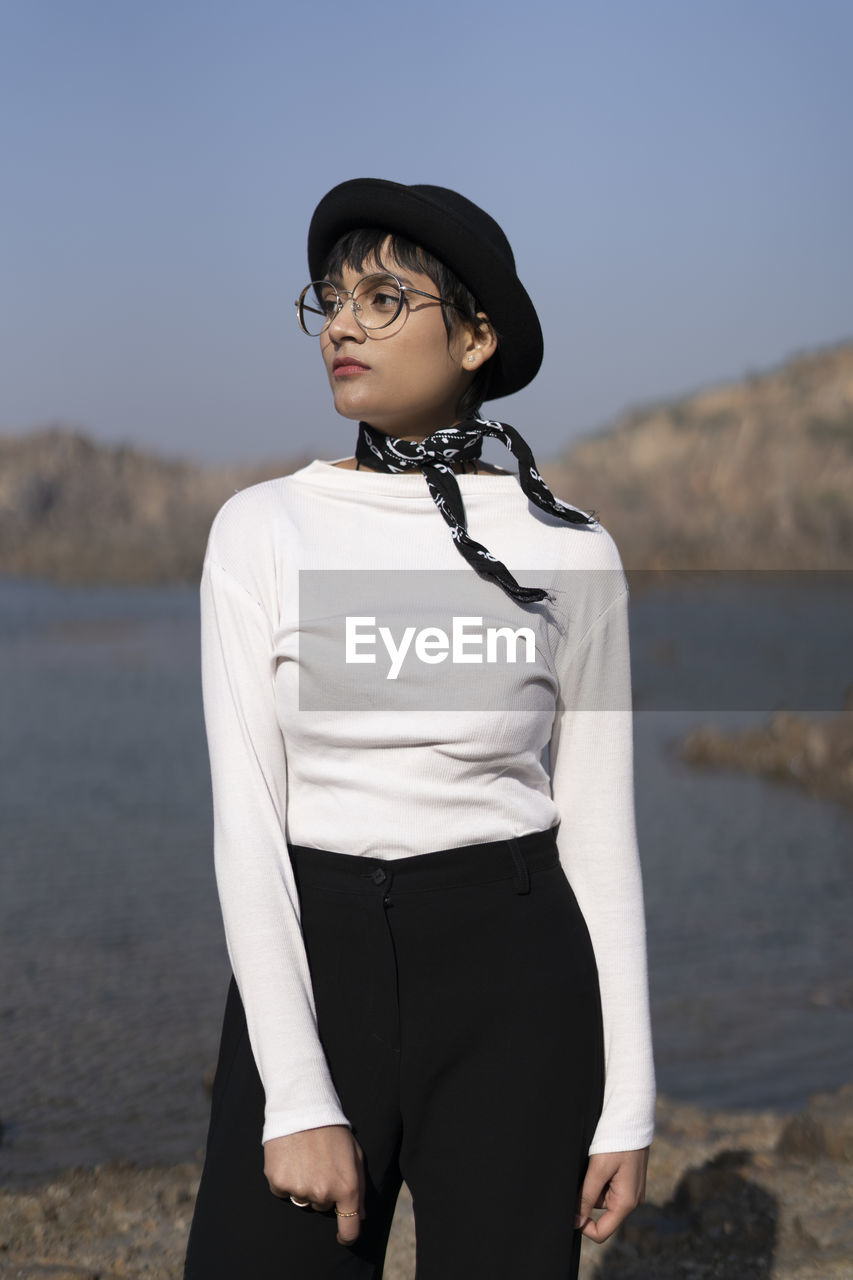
(522, 871)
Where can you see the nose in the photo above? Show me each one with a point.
(344, 324)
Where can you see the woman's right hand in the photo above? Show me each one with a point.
(324, 1166)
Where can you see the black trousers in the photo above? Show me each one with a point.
(458, 1006)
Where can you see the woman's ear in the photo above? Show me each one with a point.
(479, 345)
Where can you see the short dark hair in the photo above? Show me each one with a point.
(357, 247)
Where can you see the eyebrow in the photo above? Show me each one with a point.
(338, 279)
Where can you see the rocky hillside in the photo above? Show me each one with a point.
(756, 473)
(76, 511)
(751, 474)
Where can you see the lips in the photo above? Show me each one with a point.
(346, 367)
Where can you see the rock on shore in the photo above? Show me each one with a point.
(730, 1196)
(814, 754)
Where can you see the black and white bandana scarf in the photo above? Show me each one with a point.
(436, 455)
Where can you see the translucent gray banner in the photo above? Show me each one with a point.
(699, 641)
(421, 641)
(741, 640)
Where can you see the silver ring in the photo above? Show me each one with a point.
(300, 1204)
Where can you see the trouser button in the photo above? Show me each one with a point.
(378, 876)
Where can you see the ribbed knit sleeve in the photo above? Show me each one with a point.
(257, 893)
(592, 783)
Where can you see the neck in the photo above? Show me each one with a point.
(413, 436)
(376, 447)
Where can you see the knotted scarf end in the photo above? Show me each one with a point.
(436, 456)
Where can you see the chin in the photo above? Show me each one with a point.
(349, 403)
(345, 407)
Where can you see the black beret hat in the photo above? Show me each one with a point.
(462, 236)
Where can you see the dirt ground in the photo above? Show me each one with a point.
(739, 1196)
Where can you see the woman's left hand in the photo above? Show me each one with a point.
(616, 1182)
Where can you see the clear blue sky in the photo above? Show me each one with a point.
(674, 175)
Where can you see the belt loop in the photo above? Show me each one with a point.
(522, 875)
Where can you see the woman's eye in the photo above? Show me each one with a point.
(328, 303)
(385, 300)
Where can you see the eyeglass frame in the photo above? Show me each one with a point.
(340, 294)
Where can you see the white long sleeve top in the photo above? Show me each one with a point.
(364, 778)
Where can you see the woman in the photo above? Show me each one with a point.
(438, 950)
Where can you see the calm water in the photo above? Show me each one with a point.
(112, 963)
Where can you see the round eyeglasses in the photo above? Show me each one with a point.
(376, 302)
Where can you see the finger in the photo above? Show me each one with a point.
(322, 1206)
(592, 1196)
(601, 1230)
(349, 1212)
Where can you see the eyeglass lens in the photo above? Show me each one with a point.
(377, 301)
